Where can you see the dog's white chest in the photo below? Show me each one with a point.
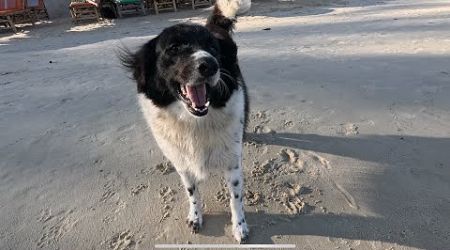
(200, 144)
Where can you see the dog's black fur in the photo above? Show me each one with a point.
(166, 54)
(197, 67)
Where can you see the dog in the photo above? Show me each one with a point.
(194, 99)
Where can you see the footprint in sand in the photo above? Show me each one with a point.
(108, 219)
(108, 191)
(292, 200)
(55, 227)
(166, 194)
(139, 188)
(348, 129)
(222, 196)
(253, 198)
(98, 161)
(260, 115)
(122, 241)
(146, 171)
(291, 161)
(261, 129)
(46, 214)
(120, 205)
(262, 169)
(324, 162)
(165, 168)
(288, 124)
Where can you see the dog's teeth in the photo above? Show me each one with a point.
(200, 109)
(207, 104)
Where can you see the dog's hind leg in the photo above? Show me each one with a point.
(235, 183)
(194, 218)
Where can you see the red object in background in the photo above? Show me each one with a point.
(11, 5)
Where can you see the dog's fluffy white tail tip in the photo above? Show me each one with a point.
(231, 8)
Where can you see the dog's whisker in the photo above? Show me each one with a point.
(222, 86)
(228, 76)
(224, 71)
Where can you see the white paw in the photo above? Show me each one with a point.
(240, 232)
(195, 222)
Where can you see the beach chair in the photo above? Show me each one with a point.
(193, 3)
(148, 5)
(12, 12)
(84, 10)
(124, 7)
(159, 5)
(7, 21)
(200, 3)
(34, 10)
(37, 9)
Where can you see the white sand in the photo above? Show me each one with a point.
(348, 144)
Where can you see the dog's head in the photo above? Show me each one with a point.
(184, 63)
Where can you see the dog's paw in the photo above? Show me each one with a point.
(241, 232)
(194, 225)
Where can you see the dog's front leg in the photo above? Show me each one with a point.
(194, 218)
(235, 183)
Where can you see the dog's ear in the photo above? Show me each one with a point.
(219, 19)
(228, 48)
(142, 64)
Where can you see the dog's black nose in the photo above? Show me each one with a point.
(207, 67)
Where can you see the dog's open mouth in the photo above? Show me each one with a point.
(195, 98)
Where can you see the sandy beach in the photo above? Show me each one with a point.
(348, 145)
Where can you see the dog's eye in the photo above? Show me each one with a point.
(173, 48)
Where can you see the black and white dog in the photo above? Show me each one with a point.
(193, 96)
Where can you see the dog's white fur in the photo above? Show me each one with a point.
(195, 146)
(231, 8)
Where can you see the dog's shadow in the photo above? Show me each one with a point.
(410, 181)
(265, 226)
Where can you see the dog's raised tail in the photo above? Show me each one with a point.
(225, 12)
(231, 8)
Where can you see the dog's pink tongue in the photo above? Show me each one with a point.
(197, 95)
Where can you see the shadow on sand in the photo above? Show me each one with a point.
(421, 220)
